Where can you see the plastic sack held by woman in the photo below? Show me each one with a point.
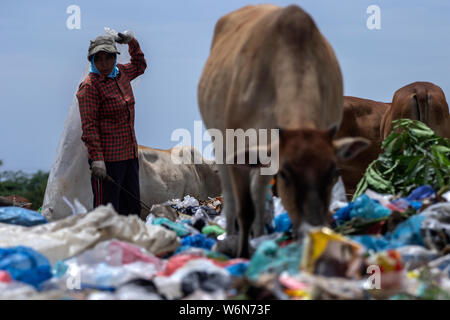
(106, 103)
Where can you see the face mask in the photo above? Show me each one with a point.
(113, 73)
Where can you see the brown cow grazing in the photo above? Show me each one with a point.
(270, 67)
(422, 101)
(362, 118)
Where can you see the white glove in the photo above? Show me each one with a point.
(98, 169)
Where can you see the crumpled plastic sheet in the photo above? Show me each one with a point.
(21, 216)
(25, 265)
(270, 258)
(436, 226)
(172, 287)
(69, 237)
(110, 264)
(406, 233)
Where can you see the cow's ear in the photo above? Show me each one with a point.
(348, 148)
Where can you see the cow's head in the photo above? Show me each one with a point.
(307, 172)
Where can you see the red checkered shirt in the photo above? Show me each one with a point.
(107, 110)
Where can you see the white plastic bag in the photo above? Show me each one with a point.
(70, 174)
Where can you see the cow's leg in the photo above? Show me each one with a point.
(229, 206)
(258, 188)
(244, 207)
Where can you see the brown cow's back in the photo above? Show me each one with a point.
(251, 68)
(422, 101)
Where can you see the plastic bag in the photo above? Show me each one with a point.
(283, 223)
(110, 264)
(25, 265)
(70, 175)
(366, 208)
(270, 258)
(436, 226)
(21, 216)
(198, 241)
(174, 287)
(180, 230)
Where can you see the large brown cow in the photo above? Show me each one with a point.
(422, 101)
(362, 118)
(270, 67)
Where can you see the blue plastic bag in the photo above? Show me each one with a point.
(366, 208)
(179, 229)
(238, 269)
(283, 223)
(198, 241)
(270, 258)
(421, 193)
(21, 216)
(406, 233)
(26, 265)
(363, 207)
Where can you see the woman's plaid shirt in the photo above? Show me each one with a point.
(107, 110)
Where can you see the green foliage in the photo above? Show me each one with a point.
(413, 156)
(30, 186)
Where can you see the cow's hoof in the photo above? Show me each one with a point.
(229, 246)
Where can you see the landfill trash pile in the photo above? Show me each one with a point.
(378, 247)
(382, 245)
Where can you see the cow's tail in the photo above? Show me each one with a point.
(421, 105)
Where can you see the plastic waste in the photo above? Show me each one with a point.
(204, 280)
(421, 193)
(255, 242)
(278, 207)
(198, 241)
(330, 254)
(188, 201)
(5, 277)
(442, 264)
(366, 208)
(283, 223)
(138, 289)
(446, 196)
(212, 230)
(212, 277)
(199, 223)
(406, 233)
(16, 291)
(179, 229)
(21, 216)
(221, 221)
(108, 265)
(436, 226)
(25, 265)
(238, 269)
(76, 207)
(414, 257)
(270, 258)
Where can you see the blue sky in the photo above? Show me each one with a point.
(42, 60)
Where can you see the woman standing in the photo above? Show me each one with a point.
(106, 103)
